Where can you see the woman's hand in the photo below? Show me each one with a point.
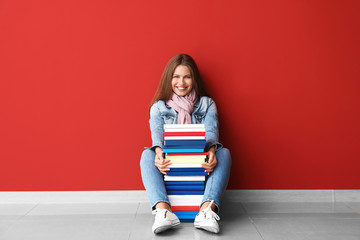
(212, 161)
(160, 162)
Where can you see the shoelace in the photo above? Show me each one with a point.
(161, 212)
(210, 213)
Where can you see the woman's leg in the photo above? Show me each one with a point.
(218, 179)
(153, 180)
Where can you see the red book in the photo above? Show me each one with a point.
(185, 208)
(176, 134)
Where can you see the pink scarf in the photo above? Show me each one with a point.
(183, 105)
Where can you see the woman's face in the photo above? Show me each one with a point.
(181, 82)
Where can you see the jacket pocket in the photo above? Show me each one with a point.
(199, 118)
(168, 118)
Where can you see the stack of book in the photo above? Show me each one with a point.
(185, 181)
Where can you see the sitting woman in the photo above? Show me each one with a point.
(181, 99)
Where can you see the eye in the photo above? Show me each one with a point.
(187, 76)
(175, 76)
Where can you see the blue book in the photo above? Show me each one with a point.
(183, 150)
(184, 188)
(187, 220)
(195, 173)
(185, 183)
(186, 214)
(187, 170)
(185, 142)
(184, 147)
(186, 192)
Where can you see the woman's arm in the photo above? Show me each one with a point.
(156, 127)
(212, 127)
(157, 136)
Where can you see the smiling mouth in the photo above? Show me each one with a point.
(181, 88)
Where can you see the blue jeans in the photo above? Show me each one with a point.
(215, 185)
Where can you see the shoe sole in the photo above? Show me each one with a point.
(209, 229)
(164, 228)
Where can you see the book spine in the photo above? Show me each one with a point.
(202, 173)
(184, 178)
(179, 147)
(183, 126)
(186, 214)
(180, 150)
(184, 165)
(187, 134)
(185, 142)
(185, 130)
(180, 161)
(188, 154)
(187, 192)
(186, 187)
(184, 183)
(186, 170)
(185, 208)
(185, 200)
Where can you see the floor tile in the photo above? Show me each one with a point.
(71, 227)
(15, 209)
(355, 206)
(296, 207)
(308, 228)
(6, 221)
(84, 208)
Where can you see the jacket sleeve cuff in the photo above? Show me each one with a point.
(209, 144)
(154, 146)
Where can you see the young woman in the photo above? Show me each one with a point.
(181, 99)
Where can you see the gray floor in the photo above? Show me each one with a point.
(239, 220)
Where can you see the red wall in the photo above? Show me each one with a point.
(77, 78)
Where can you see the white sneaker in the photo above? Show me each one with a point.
(207, 220)
(164, 219)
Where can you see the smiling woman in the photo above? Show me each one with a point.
(182, 99)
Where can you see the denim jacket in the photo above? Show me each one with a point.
(204, 113)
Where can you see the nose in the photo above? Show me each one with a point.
(182, 80)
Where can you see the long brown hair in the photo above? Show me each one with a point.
(164, 90)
